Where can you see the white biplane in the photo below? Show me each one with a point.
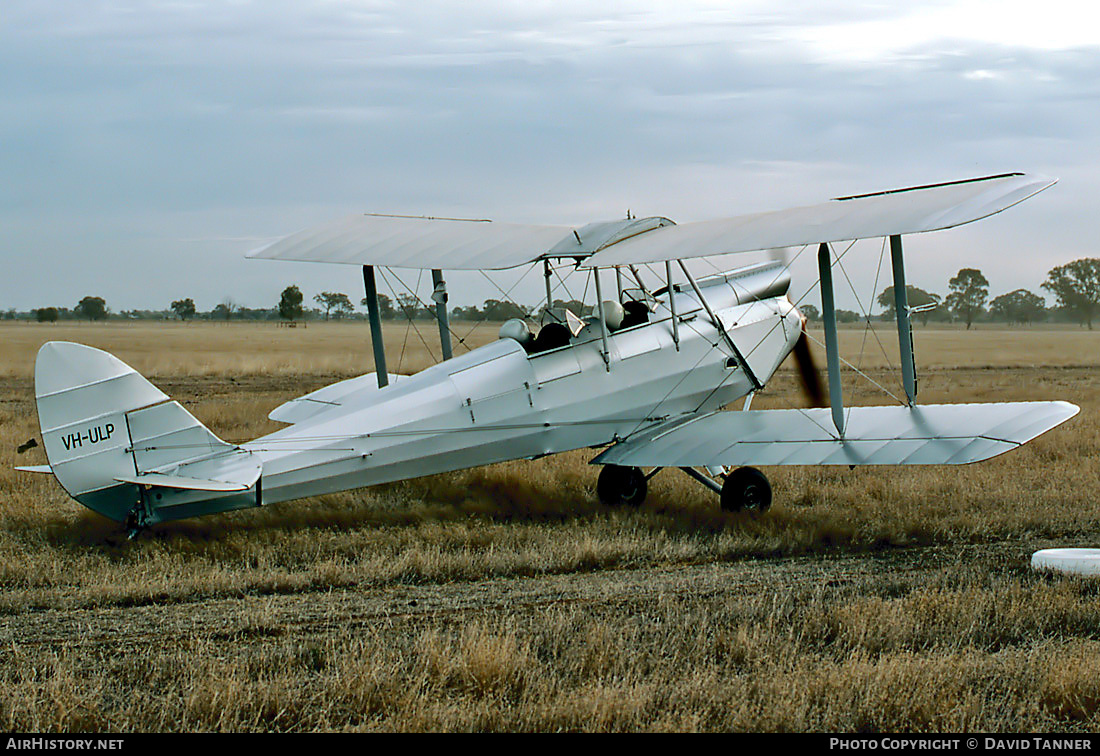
(646, 377)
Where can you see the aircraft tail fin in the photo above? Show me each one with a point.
(110, 435)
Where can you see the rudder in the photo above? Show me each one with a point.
(104, 425)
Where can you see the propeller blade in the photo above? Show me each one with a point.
(807, 371)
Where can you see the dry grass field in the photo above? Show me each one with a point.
(507, 598)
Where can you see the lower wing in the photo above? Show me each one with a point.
(937, 434)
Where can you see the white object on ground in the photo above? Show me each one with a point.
(1070, 561)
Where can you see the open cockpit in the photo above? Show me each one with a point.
(559, 327)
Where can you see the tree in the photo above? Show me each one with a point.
(1020, 306)
(385, 306)
(341, 306)
(914, 296)
(224, 310)
(574, 306)
(495, 309)
(466, 313)
(1076, 286)
(46, 315)
(92, 308)
(969, 290)
(811, 312)
(411, 308)
(334, 300)
(290, 303)
(184, 308)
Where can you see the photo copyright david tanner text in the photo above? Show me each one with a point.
(969, 743)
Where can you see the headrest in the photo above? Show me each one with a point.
(613, 314)
(517, 330)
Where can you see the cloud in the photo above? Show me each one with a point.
(128, 127)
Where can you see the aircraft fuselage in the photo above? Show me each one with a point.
(498, 403)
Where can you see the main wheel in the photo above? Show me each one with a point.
(746, 488)
(619, 485)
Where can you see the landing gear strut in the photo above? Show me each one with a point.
(618, 486)
(136, 519)
(746, 488)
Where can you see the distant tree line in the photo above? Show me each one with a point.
(330, 306)
(1075, 287)
(88, 308)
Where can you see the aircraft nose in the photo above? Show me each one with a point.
(802, 319)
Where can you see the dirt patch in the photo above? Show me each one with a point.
(315, 613)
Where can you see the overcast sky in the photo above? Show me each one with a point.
(146, 147)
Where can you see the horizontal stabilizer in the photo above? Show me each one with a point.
(232, 470)
(939, 434)
(181, 482)
(35, 468)
(105, 429)
(316, 402)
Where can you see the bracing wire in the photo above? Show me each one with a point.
(562, 284)
(816, 283)
(408, 315)
(885, 390)
(461, 340)
(507, 296)
(859, 371)
(865, 311)
(878, 273)
(299, 443)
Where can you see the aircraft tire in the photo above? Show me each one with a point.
(746, 488)
(621, 486)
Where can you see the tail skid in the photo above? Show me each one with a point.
(118, 445)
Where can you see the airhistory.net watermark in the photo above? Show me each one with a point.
(62, 744)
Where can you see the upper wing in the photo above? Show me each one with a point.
(900, 211)
(458, 244)
(449, 243)
(943, 434)
(401, 242)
